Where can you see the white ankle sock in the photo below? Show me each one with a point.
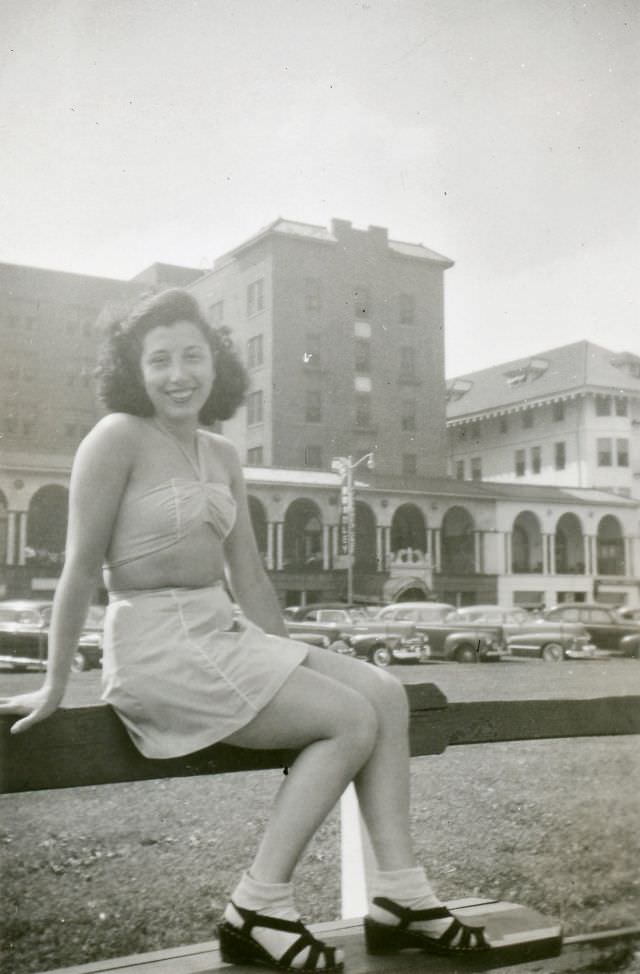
(271, 899)
(410, 888)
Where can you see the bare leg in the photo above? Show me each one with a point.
(383, 783)
(336, 728)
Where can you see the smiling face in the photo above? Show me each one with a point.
(177, 371)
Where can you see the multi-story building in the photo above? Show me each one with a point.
(342, 331)
(568, 417)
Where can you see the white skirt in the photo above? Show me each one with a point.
(179, 677)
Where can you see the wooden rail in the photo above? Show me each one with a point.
(89, 746)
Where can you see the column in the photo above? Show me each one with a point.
(270, 533)
(22, 537)
(437, 549)
(586, 554)
(387, 548)
(279, 545)
(508, 564)
(628, 557)
(11, 538)
(326, 547)
(478, 552)
(552, 555)
(545, 554)
(380, 547)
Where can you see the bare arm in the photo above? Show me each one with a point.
(98, 477)
(249, 582)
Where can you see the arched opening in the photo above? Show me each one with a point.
(610, 547)
(526, 545)
(303, 535)
(458, 549)
(47, 525)
(569, 546)
(365, 538)
(409, 532)
(259, 524)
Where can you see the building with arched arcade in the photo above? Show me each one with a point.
(461, 542)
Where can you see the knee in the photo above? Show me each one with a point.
(360, 726)
(391, 701)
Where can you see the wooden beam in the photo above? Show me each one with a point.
(89, 746)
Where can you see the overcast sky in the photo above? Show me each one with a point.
(504, 134)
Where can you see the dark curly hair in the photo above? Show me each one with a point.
(119, 376)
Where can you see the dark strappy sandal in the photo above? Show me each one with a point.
(237, 946)
(385, 938)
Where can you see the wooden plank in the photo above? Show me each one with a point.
(509, 920)
(89, 746)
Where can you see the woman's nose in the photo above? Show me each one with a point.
(176, 369)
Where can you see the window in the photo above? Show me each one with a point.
(312, 294)
(255, 296)
(363, 409)
(361, 302)
(527, 419)
(521, 463)
(409, 464)
(255, 456)
(557, 412)
(603, 405)
(559, 456)
(604, 450)
(311, 356)
(621, 407)
(408, 415)
(536, 459)
(255, 352)
(254, 407)
(622, 450)
(216, 313)
(313, 456)
(459, 469)
(476, 468)
(313, 410)
(407, 362)
(362, 355)
(407, 309)
(503, 424)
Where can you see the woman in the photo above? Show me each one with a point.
(160, 506)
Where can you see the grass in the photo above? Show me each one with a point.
(121, 869)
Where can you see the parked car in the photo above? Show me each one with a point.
(531, 636)
(462, 642)
(606, 627)
(24, 636)
(350, 629)
(629, 614)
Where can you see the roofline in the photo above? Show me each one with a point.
(518, 407)
(54, 270)
(439, 259)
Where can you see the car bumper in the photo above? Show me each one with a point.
(587, 651)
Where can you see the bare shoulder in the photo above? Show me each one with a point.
(225, 452)
(116, 439)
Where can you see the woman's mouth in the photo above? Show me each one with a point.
(180, 396)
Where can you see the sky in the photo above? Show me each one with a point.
(504, 134)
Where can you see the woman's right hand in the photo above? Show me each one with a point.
(32, 707)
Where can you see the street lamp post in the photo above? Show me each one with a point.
(345, 467)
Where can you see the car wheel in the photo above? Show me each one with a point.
(381, 656)
(79, 663)
(552, 653)
(466, 654)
